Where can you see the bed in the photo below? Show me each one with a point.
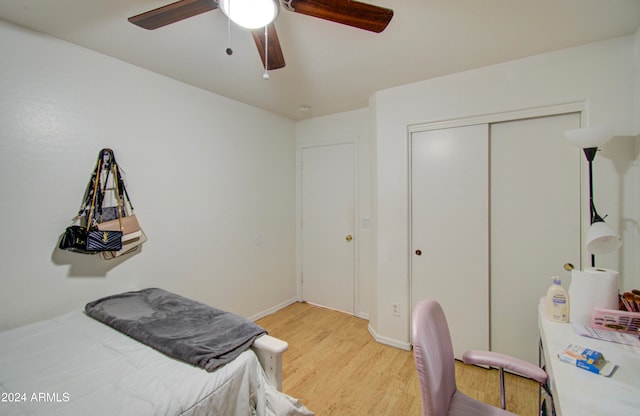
(75, 364)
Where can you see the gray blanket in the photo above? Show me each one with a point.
(177, 326)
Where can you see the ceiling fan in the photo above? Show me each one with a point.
(348, 12)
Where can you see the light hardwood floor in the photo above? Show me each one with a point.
(334, 367)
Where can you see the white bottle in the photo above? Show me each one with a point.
(557, 309)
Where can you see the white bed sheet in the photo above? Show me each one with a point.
(75, 365)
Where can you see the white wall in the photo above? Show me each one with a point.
(205, 182)
(351, 126)
(596, 75)
(601, 75)
(206, 175)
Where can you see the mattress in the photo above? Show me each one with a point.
(75, 365)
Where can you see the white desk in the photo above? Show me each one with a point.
(577, 392)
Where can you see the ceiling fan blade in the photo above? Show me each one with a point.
(171, 13)
(351, 13)
(275, 55)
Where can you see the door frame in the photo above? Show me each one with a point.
(356, 209)
(580, 107)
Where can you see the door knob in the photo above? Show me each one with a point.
(348, 237)
(418, 252)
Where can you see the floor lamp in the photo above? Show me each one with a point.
(601, 239)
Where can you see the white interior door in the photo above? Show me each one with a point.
(328, 218)
(449, 229)
(535, 223)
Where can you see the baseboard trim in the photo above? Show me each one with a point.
(389, 341)
(273, 309)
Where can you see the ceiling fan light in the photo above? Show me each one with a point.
(250, 14)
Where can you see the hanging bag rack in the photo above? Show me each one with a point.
(86, 237)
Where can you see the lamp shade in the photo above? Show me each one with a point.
(251, 14)
(601, 239)
(590, 136)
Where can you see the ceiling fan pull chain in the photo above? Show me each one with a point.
(266, 54)
(229, 50)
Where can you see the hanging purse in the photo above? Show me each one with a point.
(127, 222)
(133, 236)
(110, 213)
(130, 245)
(75, 239)
(104, 240)
(127, 225)
(87, 239)
(75, 236)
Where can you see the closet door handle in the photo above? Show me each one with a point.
(348, 237)
(418, 252)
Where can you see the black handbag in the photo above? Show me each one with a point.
(104, 240)
(86, 238)
(75, 239)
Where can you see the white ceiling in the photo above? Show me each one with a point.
(330, 67)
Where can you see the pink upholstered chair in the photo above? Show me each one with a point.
(433, 354)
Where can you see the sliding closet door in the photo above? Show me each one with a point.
(449, 229)
(535, 223)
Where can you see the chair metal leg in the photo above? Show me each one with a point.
(545, 398)
(546, 407)
(541, 403)
(503, 397)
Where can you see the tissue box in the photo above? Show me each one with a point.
(587, 359)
